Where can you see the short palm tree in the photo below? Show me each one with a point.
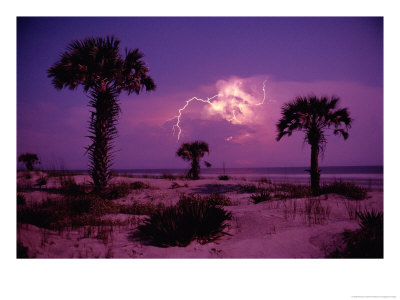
(313, 116)
(193, 152)
(29, 159)
(95, 64)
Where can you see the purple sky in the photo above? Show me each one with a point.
(203, 57)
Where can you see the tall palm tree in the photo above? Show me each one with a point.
(95, 64)
(193, 152)
(313, 116)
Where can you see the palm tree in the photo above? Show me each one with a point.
(193, 152)
(314, 116)
(95, 64)
(29, 159)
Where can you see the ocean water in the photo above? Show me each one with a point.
(366, 176)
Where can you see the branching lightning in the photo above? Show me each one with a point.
(236, 105)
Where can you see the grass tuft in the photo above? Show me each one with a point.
(192, 218)
(261, 196)
(347, 189)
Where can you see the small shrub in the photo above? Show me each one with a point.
(41, 181)
(21, 200)
(118, 190)
(138, 185)
(192, 218)
(218, 199)
(248, 188)
(261, 196)
(22, 251)
(371, 222)
(56, 214)
(366, 242)
(138, 208)
(223, 177)
(168, 176)
(293, 191)
(70, 188)
(347, 189)
(175, 185)
(265, 180)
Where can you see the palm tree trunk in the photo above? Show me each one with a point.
(103, 129)
(195, 170)
(314, 170)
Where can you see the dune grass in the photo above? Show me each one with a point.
(367, 241)
(192, 218)
(347, 189)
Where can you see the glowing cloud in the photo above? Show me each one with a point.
(236, 102)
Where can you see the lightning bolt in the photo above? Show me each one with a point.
(178, 117)
(263, 88)
(176, 126)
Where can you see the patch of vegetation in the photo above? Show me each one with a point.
(22, 251)
(139, 185)
(223, 177)
(21, 200)
(69, 211)
(192, 218)
(265, 180)
(218, 199)
(118, 190)
(70, 188)
(290, 191)
(138, 208)
(168, 176)
(366, 242)
(122, 189)
(42, 180)
(347, 189)
(261, 196)
(248, 188)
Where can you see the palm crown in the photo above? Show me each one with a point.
(97, 60)
(190, 151)
(193, 152)
(313, 116)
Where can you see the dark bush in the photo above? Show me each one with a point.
(168, 176)
(261, 196)
(293, 191)
(347, 189)
(218, 199)
(117, 190)
(192, 218)
(21, 200)
(138, 208)
(138, 185)
(70, 188)
(223, 177)
(248, 188)
(57, 214)
(367, 242)
(41, 181)
(22, 251)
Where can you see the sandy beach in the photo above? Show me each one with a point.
(277, 228)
